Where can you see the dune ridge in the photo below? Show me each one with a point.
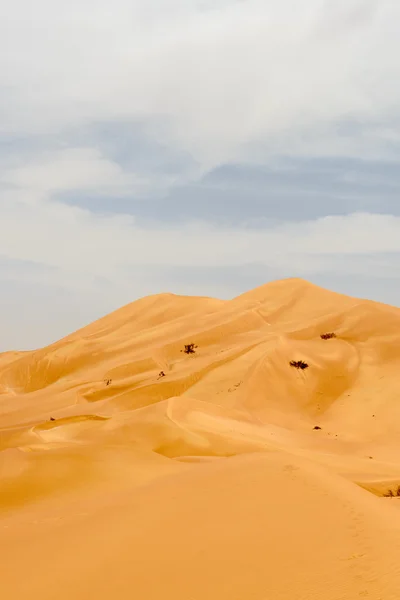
(225, 473)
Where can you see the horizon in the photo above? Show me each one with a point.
(167, 293)
(200, 147)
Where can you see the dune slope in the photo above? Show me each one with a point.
(131, 467)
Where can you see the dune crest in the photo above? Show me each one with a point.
(171, 450)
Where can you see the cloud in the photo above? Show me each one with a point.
(219, 79)
(70, 169)
(76, 239)
(194, 146)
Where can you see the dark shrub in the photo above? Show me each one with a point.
(190, 349)
(328, 336)
(299, 364)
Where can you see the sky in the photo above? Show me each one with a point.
(199, 147)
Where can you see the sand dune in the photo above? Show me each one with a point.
(129, 468)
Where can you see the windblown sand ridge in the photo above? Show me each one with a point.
(129, 468)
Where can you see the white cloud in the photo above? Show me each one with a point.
(222, 78)
(71, 169)
(79, 241)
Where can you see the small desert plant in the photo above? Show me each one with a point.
(317, 427)
(392, 494)
(52, 419)
(161, 374)
(328, 336)
(108, 381)
(189, 349)
(299, 364)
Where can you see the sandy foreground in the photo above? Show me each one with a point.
(130, 469)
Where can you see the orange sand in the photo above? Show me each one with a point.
(208, 483)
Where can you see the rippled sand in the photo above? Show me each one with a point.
(131, 469)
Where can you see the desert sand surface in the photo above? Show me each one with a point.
(131, 469)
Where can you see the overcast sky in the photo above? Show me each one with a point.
(193, 146)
